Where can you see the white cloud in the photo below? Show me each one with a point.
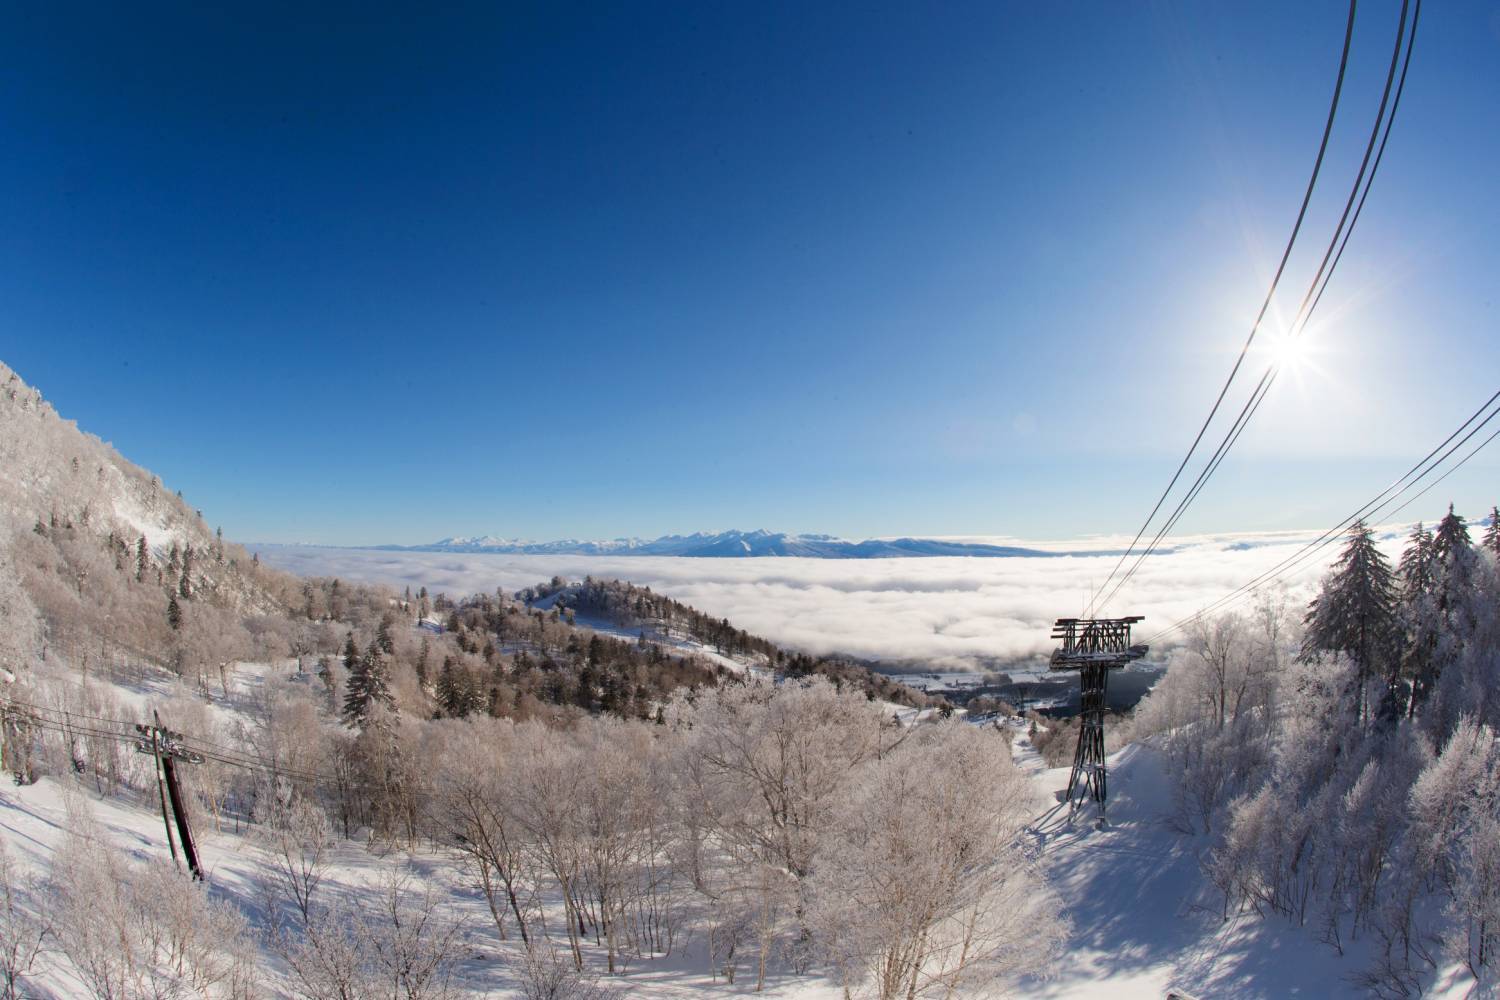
(951, 611)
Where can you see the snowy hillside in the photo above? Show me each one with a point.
(58, 477)
(1144, 920)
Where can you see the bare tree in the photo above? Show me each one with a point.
(22, 929)
(475, 813)
(547, 976)
(414, 944)
(143, 931)
(923, 890)
(297, 841)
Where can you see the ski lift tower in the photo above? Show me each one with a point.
(1093, 647)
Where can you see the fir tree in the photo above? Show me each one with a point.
(457, 693)
(368, 690)
(1452, 536)
(142, 559)
(1492, 533)
(422, 656)
(1453, 561)
(185, 587)
(383, 636)
(1355, 612)
(1415, 569)
(174, 613)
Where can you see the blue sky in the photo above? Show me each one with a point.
(358, 275)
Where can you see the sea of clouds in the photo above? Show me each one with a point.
(951, 612)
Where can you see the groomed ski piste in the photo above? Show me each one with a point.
(1144, 922)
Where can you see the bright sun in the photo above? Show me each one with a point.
(1289, 352)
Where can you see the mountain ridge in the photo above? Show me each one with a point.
(736, 544)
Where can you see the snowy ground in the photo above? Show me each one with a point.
(680, 644)
(1145, 921)
(33, 821)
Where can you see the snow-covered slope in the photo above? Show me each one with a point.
(1144, 919)
(56, 477)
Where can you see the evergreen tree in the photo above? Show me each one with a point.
(446, 694)
(383, 636)
(368, 690)
(142, 559)
(1453, 561)
(174, 613)
(1437, 571)
(422, 656)
(1417, 631)
(457, 693)
(1452, 535)
(1492, 533)
(584, 696)
(185, 587)
(1415, 569)
(1355, 611)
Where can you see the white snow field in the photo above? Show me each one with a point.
(1143, 920)
(1146, 922)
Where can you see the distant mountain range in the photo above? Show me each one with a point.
(738, 544)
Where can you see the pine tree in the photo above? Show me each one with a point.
(457, 693)
(422, 656)
(142, 559)
(1417, 629)
(1452, 535)
(1453, 561)
(1355, 612)
(1415, 569)
(174, 613)
(1492, 533)
(184, 587)
(383, 636)
(368, 690)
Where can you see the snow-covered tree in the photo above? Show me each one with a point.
(367, 690)
(922, 888)
(24, 927)
(1355, 612)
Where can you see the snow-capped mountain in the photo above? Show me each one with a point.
(731, 544)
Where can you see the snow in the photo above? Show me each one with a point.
(679, 644)
(1144, 919)
(33, 823)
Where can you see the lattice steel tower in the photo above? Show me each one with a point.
(1093, 647)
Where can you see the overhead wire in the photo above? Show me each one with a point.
(61, 720)
(1286, 253)
(1332, 255)
(1372, 508)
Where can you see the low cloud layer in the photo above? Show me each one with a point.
(958, 612)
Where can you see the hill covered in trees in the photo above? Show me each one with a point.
(106, 565)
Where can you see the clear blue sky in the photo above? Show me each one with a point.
(357, 275)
